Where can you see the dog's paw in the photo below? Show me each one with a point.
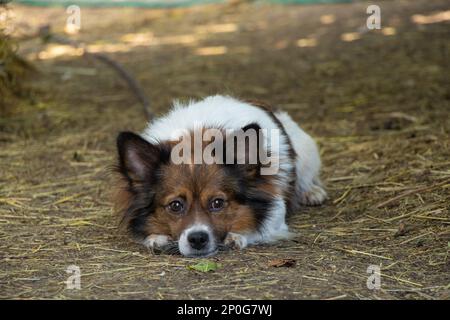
(156, 241)
(314, 196)
(235, 241)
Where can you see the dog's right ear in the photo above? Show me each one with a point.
(138, 158)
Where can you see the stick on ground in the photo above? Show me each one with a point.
(46, 34)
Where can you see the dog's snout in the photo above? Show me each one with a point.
(198, 240)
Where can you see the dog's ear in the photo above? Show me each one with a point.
(242, 149)
(138, 158)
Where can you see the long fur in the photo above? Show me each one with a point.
(269, 197)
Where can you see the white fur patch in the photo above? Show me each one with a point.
(274, 229)
(184, 246)
(236, 240)
(308, 188)
(156, 241)
(226, 113)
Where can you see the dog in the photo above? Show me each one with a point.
(171, 195)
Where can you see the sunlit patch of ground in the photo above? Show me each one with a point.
(376, 100)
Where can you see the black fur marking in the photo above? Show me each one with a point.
(247, 193)
(141, 185)
(139, 211)
(248, 177)
(251, 167)
(290, 200)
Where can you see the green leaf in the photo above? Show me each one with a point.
(204, 266)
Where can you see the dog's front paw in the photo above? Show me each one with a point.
(313, 197)
(156, 241)
(235, 241)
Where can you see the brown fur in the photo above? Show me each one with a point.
(121, 199)
(198, 185)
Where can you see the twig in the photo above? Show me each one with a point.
(417, 237)
(343, 196)
(46, 34)
(401, 280)
(342, 296)
(364, 253)
(407, 193)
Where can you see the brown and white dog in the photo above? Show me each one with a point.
(196, 206)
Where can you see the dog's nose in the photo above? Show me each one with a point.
(198, 239)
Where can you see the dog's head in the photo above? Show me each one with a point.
(196, 205)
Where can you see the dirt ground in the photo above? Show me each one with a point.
(376, 101)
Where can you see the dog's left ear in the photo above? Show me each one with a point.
(242, 149)
(138, 158)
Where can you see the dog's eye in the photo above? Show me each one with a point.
(176, 206)
(217, 204)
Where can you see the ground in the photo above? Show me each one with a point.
(376, 101)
